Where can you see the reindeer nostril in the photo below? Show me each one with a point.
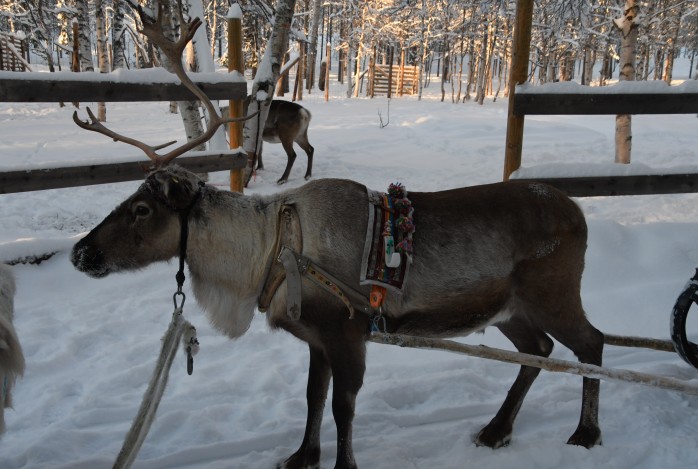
(88, 259)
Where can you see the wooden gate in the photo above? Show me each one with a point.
(12, 51)
(404, 79)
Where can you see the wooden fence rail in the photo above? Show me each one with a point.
(609, 101)
(142, 85)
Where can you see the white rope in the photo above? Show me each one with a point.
(153, 395)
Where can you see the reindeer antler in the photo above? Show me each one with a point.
(173, 50)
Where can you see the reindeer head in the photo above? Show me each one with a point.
(145, 228)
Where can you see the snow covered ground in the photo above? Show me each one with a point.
(91, 344)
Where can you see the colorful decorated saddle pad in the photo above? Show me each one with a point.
(388, 246)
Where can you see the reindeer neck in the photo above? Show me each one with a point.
(228, 226)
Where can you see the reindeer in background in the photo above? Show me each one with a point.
(508, 255)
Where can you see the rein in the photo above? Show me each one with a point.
(193, 345)
(179, 329)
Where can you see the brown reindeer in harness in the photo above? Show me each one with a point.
(509, 255)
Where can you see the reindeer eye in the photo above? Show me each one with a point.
(141, 210)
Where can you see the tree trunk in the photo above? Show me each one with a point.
(201, 60)
(189, 110)
(628, 27)
(312, 55)
(85, 44)
(265, 80)
(423, 49)
(102, 56)
(673, 39)
(117, 36)
(482, 67)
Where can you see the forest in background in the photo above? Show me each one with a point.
(465, 45)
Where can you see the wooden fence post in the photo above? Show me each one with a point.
(235, 64)
(519, 75)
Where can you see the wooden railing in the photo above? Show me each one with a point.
(628, 99)
(624, 98)
(146, 85)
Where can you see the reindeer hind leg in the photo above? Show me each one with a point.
(587, 344)
(528, 339)
(291, 154)
(309, 150)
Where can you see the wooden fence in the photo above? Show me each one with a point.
(402, 79)
(12, 53)
(68, 87)
(527, 100)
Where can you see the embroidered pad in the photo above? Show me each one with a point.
(388, 215)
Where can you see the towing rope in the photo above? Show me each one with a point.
(179, 329)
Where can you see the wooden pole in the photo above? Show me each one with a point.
(519, 75)
(75, 64)
(549, 364)
(235, 64)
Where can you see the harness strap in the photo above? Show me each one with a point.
(326, 281)
(289, 264)
(293, 283)
(288, 234)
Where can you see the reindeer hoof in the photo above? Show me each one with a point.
(281, 181)
(300, 460)
(493, 437)
(586, 436)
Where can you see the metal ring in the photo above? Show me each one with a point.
(174, 299)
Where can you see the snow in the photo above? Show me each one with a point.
(91, 344)
(148, 75)
(234, 12)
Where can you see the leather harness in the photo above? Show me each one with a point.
(289, 264)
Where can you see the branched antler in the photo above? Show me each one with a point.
(173, 50)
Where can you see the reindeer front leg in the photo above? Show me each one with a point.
(308, 455)
(348, 367)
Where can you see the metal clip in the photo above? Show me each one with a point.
(174, 299)
(378, 323)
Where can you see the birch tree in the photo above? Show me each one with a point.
(84, 37)
(102, 57)
(117, 35)
(200, 59)
(265, 81)
(676, 7)
(627, 25)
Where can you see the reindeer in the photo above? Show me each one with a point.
(508, 255)
(286, 123)
(11, 357)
